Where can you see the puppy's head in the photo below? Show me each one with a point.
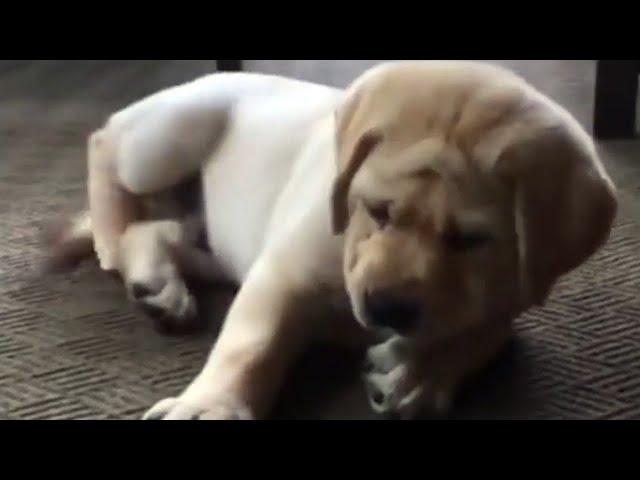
(463, 195)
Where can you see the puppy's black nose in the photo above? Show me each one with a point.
(390, 310)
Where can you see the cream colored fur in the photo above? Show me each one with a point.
(314, 195)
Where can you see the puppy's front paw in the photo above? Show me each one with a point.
(395, 389)
(178, 409)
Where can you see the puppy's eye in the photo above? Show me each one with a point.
(379, 212)
(460, 241)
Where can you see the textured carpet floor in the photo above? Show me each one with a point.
(71, 347)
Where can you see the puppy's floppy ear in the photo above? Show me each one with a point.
(565, 204)
(354, 143)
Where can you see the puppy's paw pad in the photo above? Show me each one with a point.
(176, 409)
(385, 357)
(160, 410)
(172, 307)
(396, 394)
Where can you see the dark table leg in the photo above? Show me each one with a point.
(615, 102)
(229, 65)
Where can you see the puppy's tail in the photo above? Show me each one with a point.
(68, 242)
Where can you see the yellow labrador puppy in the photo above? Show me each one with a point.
(432, 201)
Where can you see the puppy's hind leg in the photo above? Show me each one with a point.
(152, 254)
(151, 277)
(143, 150)
(111, 207)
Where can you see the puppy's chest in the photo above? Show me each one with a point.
(327, 305)
(338, 299)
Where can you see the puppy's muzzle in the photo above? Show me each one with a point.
(388, 309)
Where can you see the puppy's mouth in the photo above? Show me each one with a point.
(386, 317)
